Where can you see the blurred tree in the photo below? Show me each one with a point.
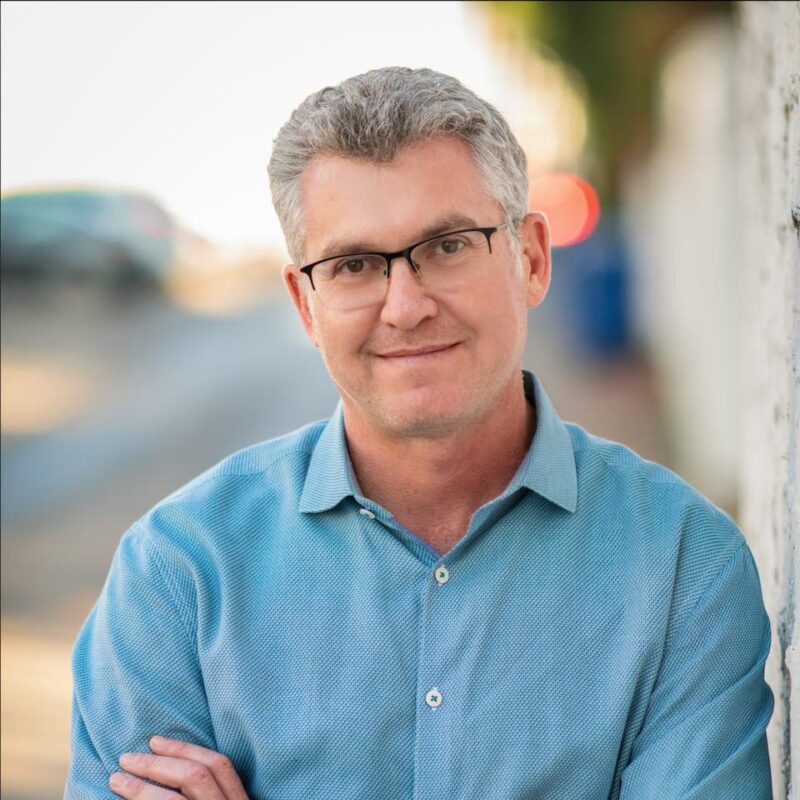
(617, 47)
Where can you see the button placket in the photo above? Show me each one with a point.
(436, 720)
(433, 698)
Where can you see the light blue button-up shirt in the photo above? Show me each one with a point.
(597, 633)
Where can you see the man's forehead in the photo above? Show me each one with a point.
(357, 242)
(355, 205)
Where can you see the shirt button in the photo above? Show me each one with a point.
(434, 698)
(442, 575)
(367, 513)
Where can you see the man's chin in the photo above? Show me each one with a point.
(431, 428)
(423, 422)
(425, 412)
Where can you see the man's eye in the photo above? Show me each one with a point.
(352, 266)
(449, 246)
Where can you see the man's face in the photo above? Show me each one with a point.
(419, 363)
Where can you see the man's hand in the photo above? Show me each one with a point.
(196, 773)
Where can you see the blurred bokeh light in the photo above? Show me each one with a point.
(570, 203)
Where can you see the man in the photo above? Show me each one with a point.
(444, 591)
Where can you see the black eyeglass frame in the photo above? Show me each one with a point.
(406, 252)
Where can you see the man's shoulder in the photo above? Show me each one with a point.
(260, 457)
(616, 467)
(597, 457)
(668, 534)
(656, 502)
(257, 459)
(265, 475)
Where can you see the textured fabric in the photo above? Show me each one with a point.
(597, 633)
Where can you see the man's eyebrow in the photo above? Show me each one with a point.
(448, 222)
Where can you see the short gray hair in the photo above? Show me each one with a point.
(372, 116)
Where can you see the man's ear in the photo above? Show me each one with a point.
(536, 256)
(301, 297)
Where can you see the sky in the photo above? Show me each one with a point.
(182, 100)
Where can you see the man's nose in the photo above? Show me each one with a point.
(407, 302)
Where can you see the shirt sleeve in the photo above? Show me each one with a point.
(704, 734)
(135, 669)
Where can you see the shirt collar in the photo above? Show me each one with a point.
(548, 468)
(330, 477)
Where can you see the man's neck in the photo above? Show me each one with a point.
(434, 485)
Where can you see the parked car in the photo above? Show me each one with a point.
(111, 236)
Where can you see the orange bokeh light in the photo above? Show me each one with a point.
(570, 203)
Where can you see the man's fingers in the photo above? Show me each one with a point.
(194, 780)
(218, 764)
(132, 788)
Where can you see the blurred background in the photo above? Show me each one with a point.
(146, 333)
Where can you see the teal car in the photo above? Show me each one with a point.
(114, 236)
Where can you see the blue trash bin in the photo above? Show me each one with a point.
(591, 283)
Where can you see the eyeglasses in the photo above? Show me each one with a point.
(445, 262)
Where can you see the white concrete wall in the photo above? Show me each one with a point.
(768, 133)
(680, 219)
(717, 277)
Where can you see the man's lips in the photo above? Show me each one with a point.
(417, 351)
